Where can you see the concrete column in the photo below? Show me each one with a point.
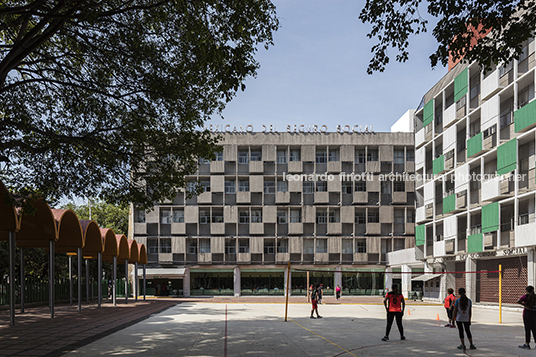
(185, 282)
(388, 278)
(338, 279)
(145, 282)
(406, 281)
(531, 266)
(450, 280)
(236, 277)
(470, 279)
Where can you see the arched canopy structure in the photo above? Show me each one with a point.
(134, 251)
(39, 228)
(70, 236)
(111, 246)
(142, 258)
(94, 243)
(9, 219)
(124, 248)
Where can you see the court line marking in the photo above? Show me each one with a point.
(225, 340)
(311, 331)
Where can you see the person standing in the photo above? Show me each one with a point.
(462, 315)
(529, 315)
(314, 302)
(394, 305)
(338, 292)
(321, 293)
(449, 306)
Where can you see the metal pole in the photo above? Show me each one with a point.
(136, 281)
(99, 280)
(308, 292)
(126, 281)
(144, 285)
(11, 278)
(288, 283)
(114, 287)
(71, 280)
(500, 293)
(22, 280)
(51, 279)
(87, 281)
(79, 283)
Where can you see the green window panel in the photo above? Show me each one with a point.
(449, 203)
(428, 112)
(439, 165)
(506, 157)
(525, 116)
(475, 243)
(474, 145)
(461, 85)
(420, 235)
(490, 217)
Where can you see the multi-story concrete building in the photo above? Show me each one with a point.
(475, 204)
(315, 200)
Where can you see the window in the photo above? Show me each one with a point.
(321, 156)
(140, 216)
(321, 217)
(243, 245)
(295, 155)
(360, 156)
(373, 216)
(399, 244)
(256, 155)
(321, 245)
(410, 154)
(360, 218)
(399, 216)
(191, 186)
(360, 245)
(333, 154)
(269, 186)
(321, 186)
(281, 217)
(152, 246)
(347, 246)
(230, 187)
(256, 216)
(243, 157)
(308, 246)
(165, 216)
(178, 215)
(398, 156)
(217, 217)
(281, 156)
(269, 246)
(204, 216)
(334, 217)
(386, 187)
(347, 187)
(461, 103)
(243, 185)
(219, 156)
(360, 186)
(399, 186)
(506, 68)
(282, 245)
(526, 95)
(192, 246)
(372, 155)
(203, 161)
(230, 246)
(411, 216)
(490, 131)
(204, 245)
(295, 215)
(308, 187)
(243, 217)
(165, 245)
(282, 186)
(206, 185)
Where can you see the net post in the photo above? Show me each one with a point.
(288, 283)
(308, 292)
(500, 293)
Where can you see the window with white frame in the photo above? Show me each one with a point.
(165, 215)
(256, 155)
(204, 216)
(282, 186)
(230, 246)
(334, 216)
(321, 216)
(360, 186)
(398, 157)
(308, 187)
(243, 185)
(192, 246)
(321, 245)
(219, 156)
(269, 246)
(269, 186)
(347, 186)
(140, 216)
(282, 245)
(256, 215)
(360, 156)
(295, 155)
(360, 245)
(281, 156)
(152, 245)
(295, 215)
(165, 245)
(281, 216)
(206, 185)
(243, 217)
(321, 186)
(360, 217)
(243, 157)
(204, 245)
(321, 156)
(243, 245)
(347, 246)
(334, 155)
(230, 186)
(178, 215)
(373, 155)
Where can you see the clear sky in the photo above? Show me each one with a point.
(316, 73)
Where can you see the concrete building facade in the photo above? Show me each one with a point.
(322, 201)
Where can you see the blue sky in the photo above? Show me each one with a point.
(316, 73)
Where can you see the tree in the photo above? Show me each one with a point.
(106, 98)
(106, 215)
(460, 30)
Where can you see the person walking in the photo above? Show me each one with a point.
(338, 292)
(529, 315)
(314, 301)
(321, 293)
(394, 305)
(462, 315)
(449, 306)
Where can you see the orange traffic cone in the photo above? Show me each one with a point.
(409, 313)
(437, 318)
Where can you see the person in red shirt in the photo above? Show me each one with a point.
(394, 305)
(449, 306)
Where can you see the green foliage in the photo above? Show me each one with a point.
(394, 22)
(105, 98)
(106, 215)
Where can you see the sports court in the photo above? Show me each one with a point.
(258, 329)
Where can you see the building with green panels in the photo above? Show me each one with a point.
(475, 137)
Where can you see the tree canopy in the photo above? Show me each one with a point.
(106, 98)
(459, 29)
(106, 215)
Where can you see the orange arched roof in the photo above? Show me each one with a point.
(92, 238)
(69, 231)
(9, 218)
(37, 229)
(142, 258)
(134, 251)
(111, 248)
(124, 248)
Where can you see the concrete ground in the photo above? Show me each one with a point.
(256, 327)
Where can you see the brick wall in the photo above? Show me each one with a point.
(514, 280)
(459, 279)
